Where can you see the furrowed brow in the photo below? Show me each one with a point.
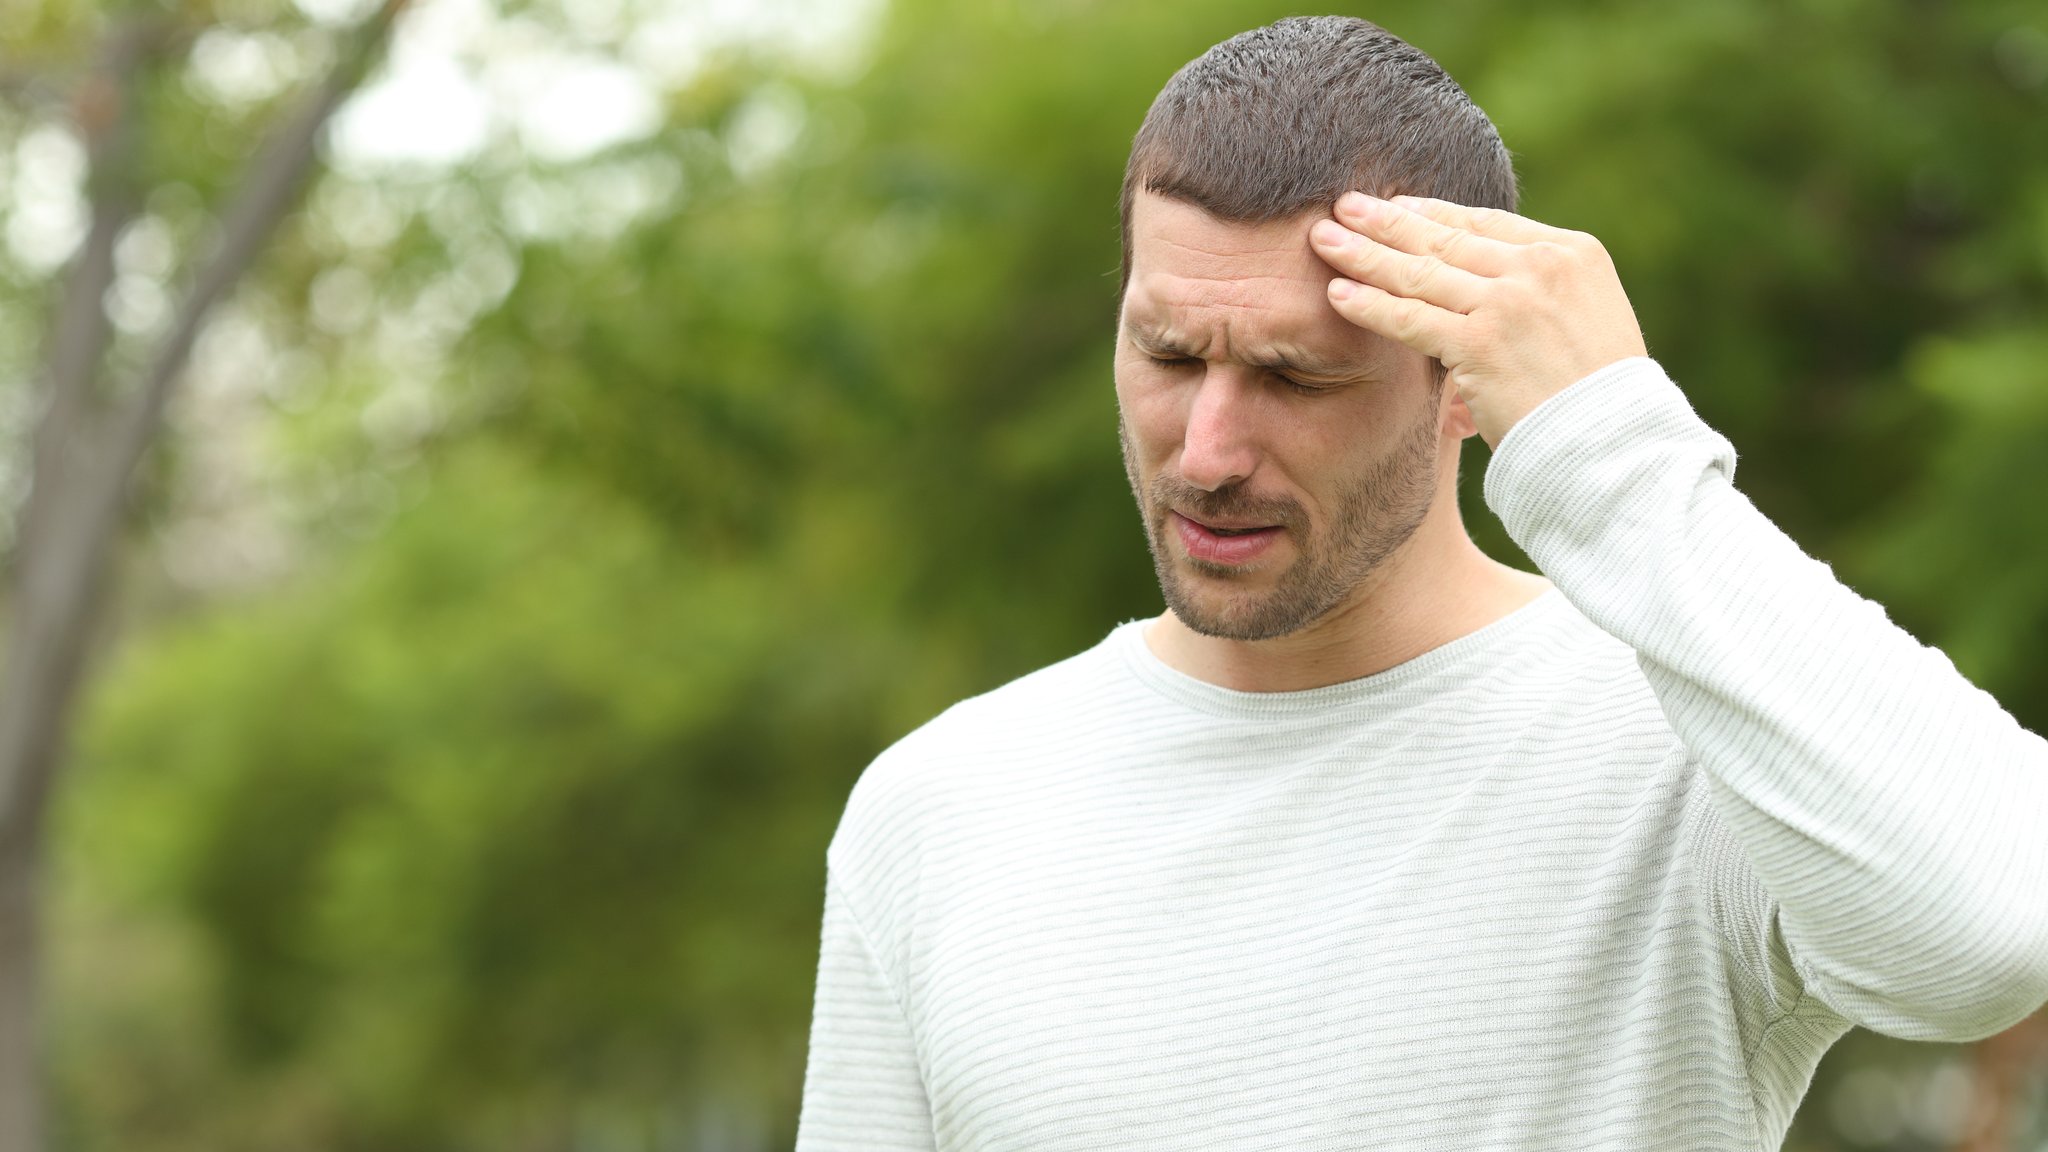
(1154, 339)
(1302, 364)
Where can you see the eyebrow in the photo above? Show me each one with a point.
(1154, 339)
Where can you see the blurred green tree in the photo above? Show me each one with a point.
(501, 822)
(104, 381)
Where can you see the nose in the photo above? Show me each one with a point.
(1218, 448)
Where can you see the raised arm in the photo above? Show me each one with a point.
(1896, 813)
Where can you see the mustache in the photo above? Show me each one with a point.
(1230, 502)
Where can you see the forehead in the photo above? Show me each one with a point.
(1238, 291)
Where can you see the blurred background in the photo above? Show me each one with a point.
(651, 409)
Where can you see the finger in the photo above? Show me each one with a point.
(1423, 327)
(1492, 223)
(1411, 231)
(1401, 273)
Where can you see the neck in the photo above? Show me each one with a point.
(1436, 587)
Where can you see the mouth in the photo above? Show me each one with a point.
(1224, 544)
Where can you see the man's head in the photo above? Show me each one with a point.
(1284, 119)
(1279, 454)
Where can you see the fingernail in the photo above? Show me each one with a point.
(1328, 233)
(1342, 289)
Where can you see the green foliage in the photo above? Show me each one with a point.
(502, 823)
(517, 812)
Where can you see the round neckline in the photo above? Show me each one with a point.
(1168, 681)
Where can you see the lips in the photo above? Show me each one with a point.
(1222, 544)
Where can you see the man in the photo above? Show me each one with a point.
(1369, 841)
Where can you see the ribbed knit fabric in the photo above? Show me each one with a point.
(1610, 873)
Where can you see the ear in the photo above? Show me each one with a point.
(1457, 418)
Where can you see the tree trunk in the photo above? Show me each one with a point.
(20, 1066)
(88, 442)
(54, 599)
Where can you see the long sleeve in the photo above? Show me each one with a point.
(1896, 814)
(862, 1088)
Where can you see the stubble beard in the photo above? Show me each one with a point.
(1375, 515)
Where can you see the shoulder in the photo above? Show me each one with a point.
(1582, 705)
(980, 743)
(931, 796)
(1571, 662)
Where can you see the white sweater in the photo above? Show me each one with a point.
(1610, 873)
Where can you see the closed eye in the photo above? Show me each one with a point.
(1300, 388)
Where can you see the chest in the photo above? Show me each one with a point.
(1393, 949)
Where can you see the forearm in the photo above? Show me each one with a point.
(1896, 813)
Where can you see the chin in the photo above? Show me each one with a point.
(1234, 616)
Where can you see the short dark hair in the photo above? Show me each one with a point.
(1286, 118)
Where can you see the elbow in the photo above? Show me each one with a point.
(1998, 1000)
(2024, 988)
(2012, 958)
(1982, 983)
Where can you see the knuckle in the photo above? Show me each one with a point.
(1550, 256)
(1408, 324)
(1587, 249)
(1416, 276)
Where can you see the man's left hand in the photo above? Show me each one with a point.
(1516, 310)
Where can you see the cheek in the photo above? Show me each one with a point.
(1151, 416)
(1332, 447)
